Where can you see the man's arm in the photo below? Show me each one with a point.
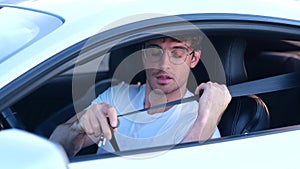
(212, 104)
(85, 128)
(71, 137)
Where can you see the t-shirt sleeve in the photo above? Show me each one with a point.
(112, 96)
(102, 98)
(216, 133)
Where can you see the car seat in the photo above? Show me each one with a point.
(276, 57)
(244, 114)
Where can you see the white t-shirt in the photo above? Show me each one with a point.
(143, 130)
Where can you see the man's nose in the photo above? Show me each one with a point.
(165, 61)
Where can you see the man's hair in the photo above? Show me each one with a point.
(195, 39)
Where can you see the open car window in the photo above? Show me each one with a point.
(278, 56)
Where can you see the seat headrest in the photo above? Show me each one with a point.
(231, 52)
(125, 64)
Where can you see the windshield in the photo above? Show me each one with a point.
(11, 1)
(20, 28)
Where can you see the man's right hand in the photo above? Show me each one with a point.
(93, 121)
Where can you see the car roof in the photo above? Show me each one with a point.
(82, 19)
(69, 8)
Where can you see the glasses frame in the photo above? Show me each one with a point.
(169, 55)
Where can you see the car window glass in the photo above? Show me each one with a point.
(22, 28)
(100, 64)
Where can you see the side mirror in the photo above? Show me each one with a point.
(21, 149)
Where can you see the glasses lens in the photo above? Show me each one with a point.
(178, 56)
(154, 54)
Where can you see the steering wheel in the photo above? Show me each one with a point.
(10, 117)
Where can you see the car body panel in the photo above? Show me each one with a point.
(18, 148)
(266, 151)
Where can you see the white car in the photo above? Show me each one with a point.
(58, 55)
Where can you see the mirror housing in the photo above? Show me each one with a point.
(21, 149)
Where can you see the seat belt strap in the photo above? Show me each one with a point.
(275, 83)
(270, 84)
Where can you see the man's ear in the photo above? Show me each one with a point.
(195, 58)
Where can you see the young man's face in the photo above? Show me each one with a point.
(167, 63)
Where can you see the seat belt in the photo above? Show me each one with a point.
(275, 83)
(270, 84)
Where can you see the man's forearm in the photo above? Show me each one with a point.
(202, 130)
(69, 137)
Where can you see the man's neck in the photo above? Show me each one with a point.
(157, 97)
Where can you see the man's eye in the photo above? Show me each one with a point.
(154, 51)
(178, 53)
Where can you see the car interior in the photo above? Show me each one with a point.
(245, 56)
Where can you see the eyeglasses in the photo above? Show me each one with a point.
(177, 56)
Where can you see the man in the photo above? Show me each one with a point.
(167, 63)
